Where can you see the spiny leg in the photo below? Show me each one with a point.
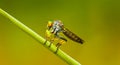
(58, 46)
(62, 41)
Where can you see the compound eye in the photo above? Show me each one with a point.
(49, 24)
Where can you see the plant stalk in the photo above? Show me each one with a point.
(65, 57)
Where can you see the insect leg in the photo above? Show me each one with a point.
(58, 46)
(62, 41)
(47, 36)
(51, 41)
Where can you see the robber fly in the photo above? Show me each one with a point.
(54, 28)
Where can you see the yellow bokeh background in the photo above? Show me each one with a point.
(95, 21)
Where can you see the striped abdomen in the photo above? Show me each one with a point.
(72, 36)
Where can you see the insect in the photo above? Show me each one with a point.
(54, 28)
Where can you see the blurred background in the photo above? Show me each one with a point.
(95, 21)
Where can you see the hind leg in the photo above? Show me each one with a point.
(62, 41)
(58, 46)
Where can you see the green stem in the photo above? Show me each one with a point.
(40, 39)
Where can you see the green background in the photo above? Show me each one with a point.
(95, 21)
